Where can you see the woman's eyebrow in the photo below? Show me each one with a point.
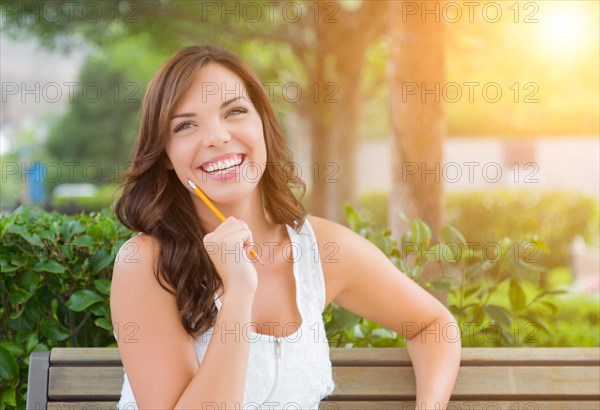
(191, 114)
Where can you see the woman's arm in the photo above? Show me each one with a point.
(369, 285)
(222, 376)
(435, 354)
(158, 354)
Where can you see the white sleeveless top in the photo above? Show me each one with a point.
(291, 372)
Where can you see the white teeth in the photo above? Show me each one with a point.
(221, 165)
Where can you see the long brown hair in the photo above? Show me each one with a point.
(154, 200)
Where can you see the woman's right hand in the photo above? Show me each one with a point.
(226, 249)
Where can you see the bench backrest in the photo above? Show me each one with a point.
(367, 378)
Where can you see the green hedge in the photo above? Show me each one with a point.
(106, 196)
(55, 287)
(55, 290)
(485, 216)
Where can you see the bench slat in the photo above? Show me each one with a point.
(463, 405)
(387, 405)
(81, 405)
(488, 382)
(379, 383)
(474, 356)
(470, 356)
(85, 383)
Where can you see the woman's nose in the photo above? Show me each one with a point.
(216, 135)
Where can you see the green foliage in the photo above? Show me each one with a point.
(105, 198)
(101, 121)
(483, 217)
(55, 286)
(556, 216)
(11, 182)
(55, 291)
(496, 298)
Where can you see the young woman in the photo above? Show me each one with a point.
(198, 322)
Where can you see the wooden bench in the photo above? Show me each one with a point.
(366, 378)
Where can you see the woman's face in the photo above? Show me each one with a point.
(213, 128)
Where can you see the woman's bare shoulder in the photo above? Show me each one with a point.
(138, 260)
(327, 230)
(138, 246)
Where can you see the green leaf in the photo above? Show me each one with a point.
(29, 281)
(537, 321)
(13, 347)
(434, 254)
(416, 271)
(345, 319)
(30, 343)
(95, 232)
(19, 296)
(84, 241)
(9, 397)
(40, 347)
(54, 307)
(54, 332)
(477, 268)
(450, 253)
(550, 292)
(6, 266)
(421, 232)
(498, 314)
(103, 323)
(444, 283)
(354, 220)
(67, 251)
(452, 235)
(553, 308)
(518, 299)
(100, 261)
(9, 369)
(48, 235)
(525, 272)
(539, 244)
(22, 231)
(103, 285)
(72, 228)
(15, 314)
(48, 266)
(100, 309)
(470, 290)
(383, 333)
(83, 299)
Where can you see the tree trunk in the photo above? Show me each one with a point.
(334, 117)
(341, 174)
(416, 77)
(334, 64)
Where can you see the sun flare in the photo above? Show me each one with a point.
(562, 27)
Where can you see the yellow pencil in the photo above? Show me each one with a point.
(218, 213)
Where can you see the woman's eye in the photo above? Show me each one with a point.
(182, 126)
(237, 111)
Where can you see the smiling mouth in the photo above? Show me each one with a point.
(223, 170)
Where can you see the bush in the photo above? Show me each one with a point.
(55, 286)
(55, 291)
(498, 302)
(107, 195)
(485, 216)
